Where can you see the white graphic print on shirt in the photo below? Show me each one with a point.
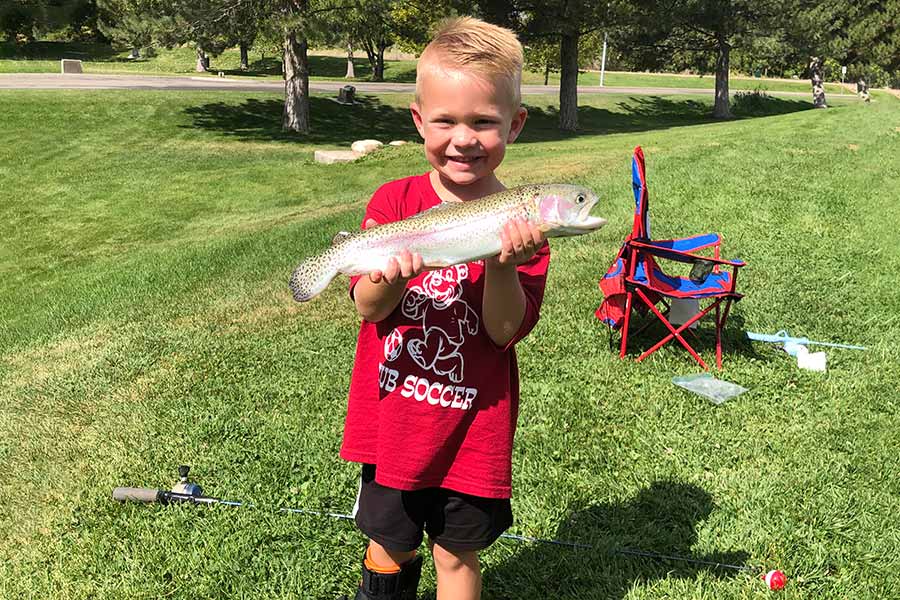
(438, 301)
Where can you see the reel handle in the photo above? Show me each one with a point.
(129, 494)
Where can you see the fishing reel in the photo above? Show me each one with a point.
(184, 485)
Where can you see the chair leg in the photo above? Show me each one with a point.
(718, 339)
(628, 300)
(720, 325)
(676, 333)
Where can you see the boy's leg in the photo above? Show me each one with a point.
(458, 573)
(459, 526)
(393, 576)
(393, 522)
(389, 559)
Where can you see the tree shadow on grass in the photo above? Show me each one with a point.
(661, 519)
(331, 123)
(336, 124)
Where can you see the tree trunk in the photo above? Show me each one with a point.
(818, 85)
(378, 67)
(245, 58)
(296, 85)
(371, 55)
(351, 73)
(568, 82)
(721, 108)
(547, 74)
(202, 61)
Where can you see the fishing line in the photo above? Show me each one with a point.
(186, 492)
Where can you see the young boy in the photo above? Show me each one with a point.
(434, 392)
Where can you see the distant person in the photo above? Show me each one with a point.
(434, 393)
(862, 89)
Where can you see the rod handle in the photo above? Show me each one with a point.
(129, 494)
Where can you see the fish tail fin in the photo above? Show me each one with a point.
(312, 276)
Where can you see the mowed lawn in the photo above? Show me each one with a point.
(145, 322)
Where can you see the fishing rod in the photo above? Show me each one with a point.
(187, 492)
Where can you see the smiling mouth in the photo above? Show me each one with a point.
(464, 159)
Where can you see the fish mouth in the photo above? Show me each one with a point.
(588, 222)
(582, 226)
(591, 223)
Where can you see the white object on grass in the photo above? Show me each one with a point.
(811, 361)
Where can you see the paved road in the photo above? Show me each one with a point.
(44, 81)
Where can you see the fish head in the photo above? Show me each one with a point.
(565, 210)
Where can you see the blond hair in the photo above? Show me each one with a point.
(476, 47)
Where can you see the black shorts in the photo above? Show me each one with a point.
(457, 522)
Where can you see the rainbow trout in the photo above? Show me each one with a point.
(449, 233)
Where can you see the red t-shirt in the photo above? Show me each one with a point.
(433, 401)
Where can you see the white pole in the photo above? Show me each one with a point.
(603, 60)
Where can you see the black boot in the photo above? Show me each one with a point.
(390, 586)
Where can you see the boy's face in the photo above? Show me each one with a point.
(466, 124)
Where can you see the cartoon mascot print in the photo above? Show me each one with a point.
(438, 301)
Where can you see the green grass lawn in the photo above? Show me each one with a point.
(146, 323)
(44, 57)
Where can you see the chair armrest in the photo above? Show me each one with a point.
(688, 244)
(685, 257)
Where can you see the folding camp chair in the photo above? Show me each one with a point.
(635, 282)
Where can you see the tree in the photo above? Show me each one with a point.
(566, 21)
(542, 55)
(861, 34)
(127, 21)
(32, 18)
(21, 17)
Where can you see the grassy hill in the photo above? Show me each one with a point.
(146, 323)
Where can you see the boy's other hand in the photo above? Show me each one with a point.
(402, 267)
(520, 241)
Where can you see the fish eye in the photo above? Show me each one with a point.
(579, 199)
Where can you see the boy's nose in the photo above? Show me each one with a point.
(463, 136)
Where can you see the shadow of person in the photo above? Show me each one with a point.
(660, 520)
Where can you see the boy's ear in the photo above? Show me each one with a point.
(516, 125)
(417, 118)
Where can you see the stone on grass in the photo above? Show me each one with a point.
(69, 65)
(329, 157)
(398, 143)
(365, 146)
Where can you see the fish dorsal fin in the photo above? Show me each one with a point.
(339, 237)
(444, 205)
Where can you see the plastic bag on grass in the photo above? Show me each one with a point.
(706, 385)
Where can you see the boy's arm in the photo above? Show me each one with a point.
(504, 304)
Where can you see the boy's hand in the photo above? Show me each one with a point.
(401, 268)
(520, 241)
